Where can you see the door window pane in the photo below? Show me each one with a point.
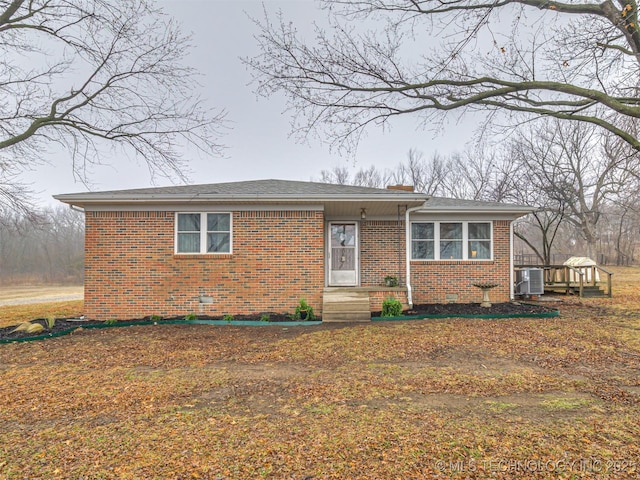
(343, 235)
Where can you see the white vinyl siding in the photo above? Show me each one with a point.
(451, 240)
(203, 233)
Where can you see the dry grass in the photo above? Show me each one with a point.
(46, 302)
(20, 292)
(460, 398)
(14, 314)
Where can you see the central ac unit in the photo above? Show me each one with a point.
(530, 281)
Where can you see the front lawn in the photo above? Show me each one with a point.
(15, 314)
(537, 398)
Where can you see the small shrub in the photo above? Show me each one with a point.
(391, 281)
(29, 327)
(191, 317)
(265, 318)
(111, 321)
(155, 318)
(51, 322)
(304, 311)
(391, 307)
(227, 318)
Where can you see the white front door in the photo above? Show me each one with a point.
(343, 254)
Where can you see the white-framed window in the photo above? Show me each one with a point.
(422, 241)
(451, 240)
(479, 243)
(203, 233)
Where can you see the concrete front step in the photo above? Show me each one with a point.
(345, 305)
(351, 317)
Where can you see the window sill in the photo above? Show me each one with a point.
(202, 256)
(474, 261)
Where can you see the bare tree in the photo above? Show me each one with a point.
(336, 175)
(426, 175)
(51, 249)
(89, 74)
(539, 230)
(370, 177)
(577, 171)
(575, 60)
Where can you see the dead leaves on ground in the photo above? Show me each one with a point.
(368, 401)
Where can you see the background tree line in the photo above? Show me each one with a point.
(582, 181)
(47, 246)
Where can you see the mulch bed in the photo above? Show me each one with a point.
(61, 324)
(507, 308)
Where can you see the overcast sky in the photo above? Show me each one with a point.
(259, 145)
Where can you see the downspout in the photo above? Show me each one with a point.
(407, 256)
(511, 294)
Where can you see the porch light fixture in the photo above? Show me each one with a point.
(363, 213)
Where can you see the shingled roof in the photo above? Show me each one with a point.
(434, 204)
(272, 190)
(284, 191)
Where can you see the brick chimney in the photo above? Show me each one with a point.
(404, 188)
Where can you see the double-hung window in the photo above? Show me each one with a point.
(451, 241)
(479, 240)
(422, 241)
(203, 233)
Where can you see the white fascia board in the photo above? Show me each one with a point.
(204, 207)
(87, 199)
(465, 213)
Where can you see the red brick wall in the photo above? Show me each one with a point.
(376, 297)
(433, 280)
(131, 270)
(382, 252)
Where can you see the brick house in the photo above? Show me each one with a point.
(260, 246)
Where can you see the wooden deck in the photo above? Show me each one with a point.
(585, 281)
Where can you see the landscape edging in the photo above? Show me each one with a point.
(258, 323)
(246, 323)
(553, 313)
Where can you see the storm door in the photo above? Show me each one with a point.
(343, 254)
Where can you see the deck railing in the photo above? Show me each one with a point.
(572, 276)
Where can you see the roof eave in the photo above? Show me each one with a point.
(516, 210)
(177, 198)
